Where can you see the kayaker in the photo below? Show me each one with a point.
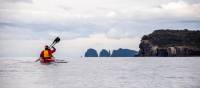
(46, 55)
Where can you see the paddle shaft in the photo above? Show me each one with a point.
(52, 44)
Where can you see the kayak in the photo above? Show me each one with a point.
(60, 61)
(47, 60)
(53, 61)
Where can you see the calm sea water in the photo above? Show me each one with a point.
(140, 72)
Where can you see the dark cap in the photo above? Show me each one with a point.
(46, 47)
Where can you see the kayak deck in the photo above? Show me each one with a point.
(60, 61)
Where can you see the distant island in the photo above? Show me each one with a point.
(91, 53)
(116, 53)
(124, 53)
(104, 53)
(168, 42)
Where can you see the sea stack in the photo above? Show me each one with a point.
(104, 53)
(91, 53)
(123, 53)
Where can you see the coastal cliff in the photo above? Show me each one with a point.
(170, 43)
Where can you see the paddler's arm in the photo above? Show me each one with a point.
(41, 54)
(54, 49)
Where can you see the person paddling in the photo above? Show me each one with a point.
(46, 56)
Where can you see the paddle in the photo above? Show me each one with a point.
(56, 40)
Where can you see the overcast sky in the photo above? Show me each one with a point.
(27, 25)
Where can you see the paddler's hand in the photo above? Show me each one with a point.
(53, 47)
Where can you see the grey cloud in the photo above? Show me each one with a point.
(193, 1)
(135, 24)
(16, 1)
(71, 30)
(34, 30)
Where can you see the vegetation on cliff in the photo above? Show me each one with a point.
(166, 38)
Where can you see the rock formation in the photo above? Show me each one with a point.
(104, 53)
(116, 53)
(123, 53)
(170, 43)
(91, 53)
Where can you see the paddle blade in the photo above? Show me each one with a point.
(56, 40)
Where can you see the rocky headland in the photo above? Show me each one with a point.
(168, 42)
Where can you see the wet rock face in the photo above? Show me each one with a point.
(171, 51)
(91, 53)
(147, 49)
(170, 43)
(162, 52)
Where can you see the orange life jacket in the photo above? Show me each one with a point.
(47, 54)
